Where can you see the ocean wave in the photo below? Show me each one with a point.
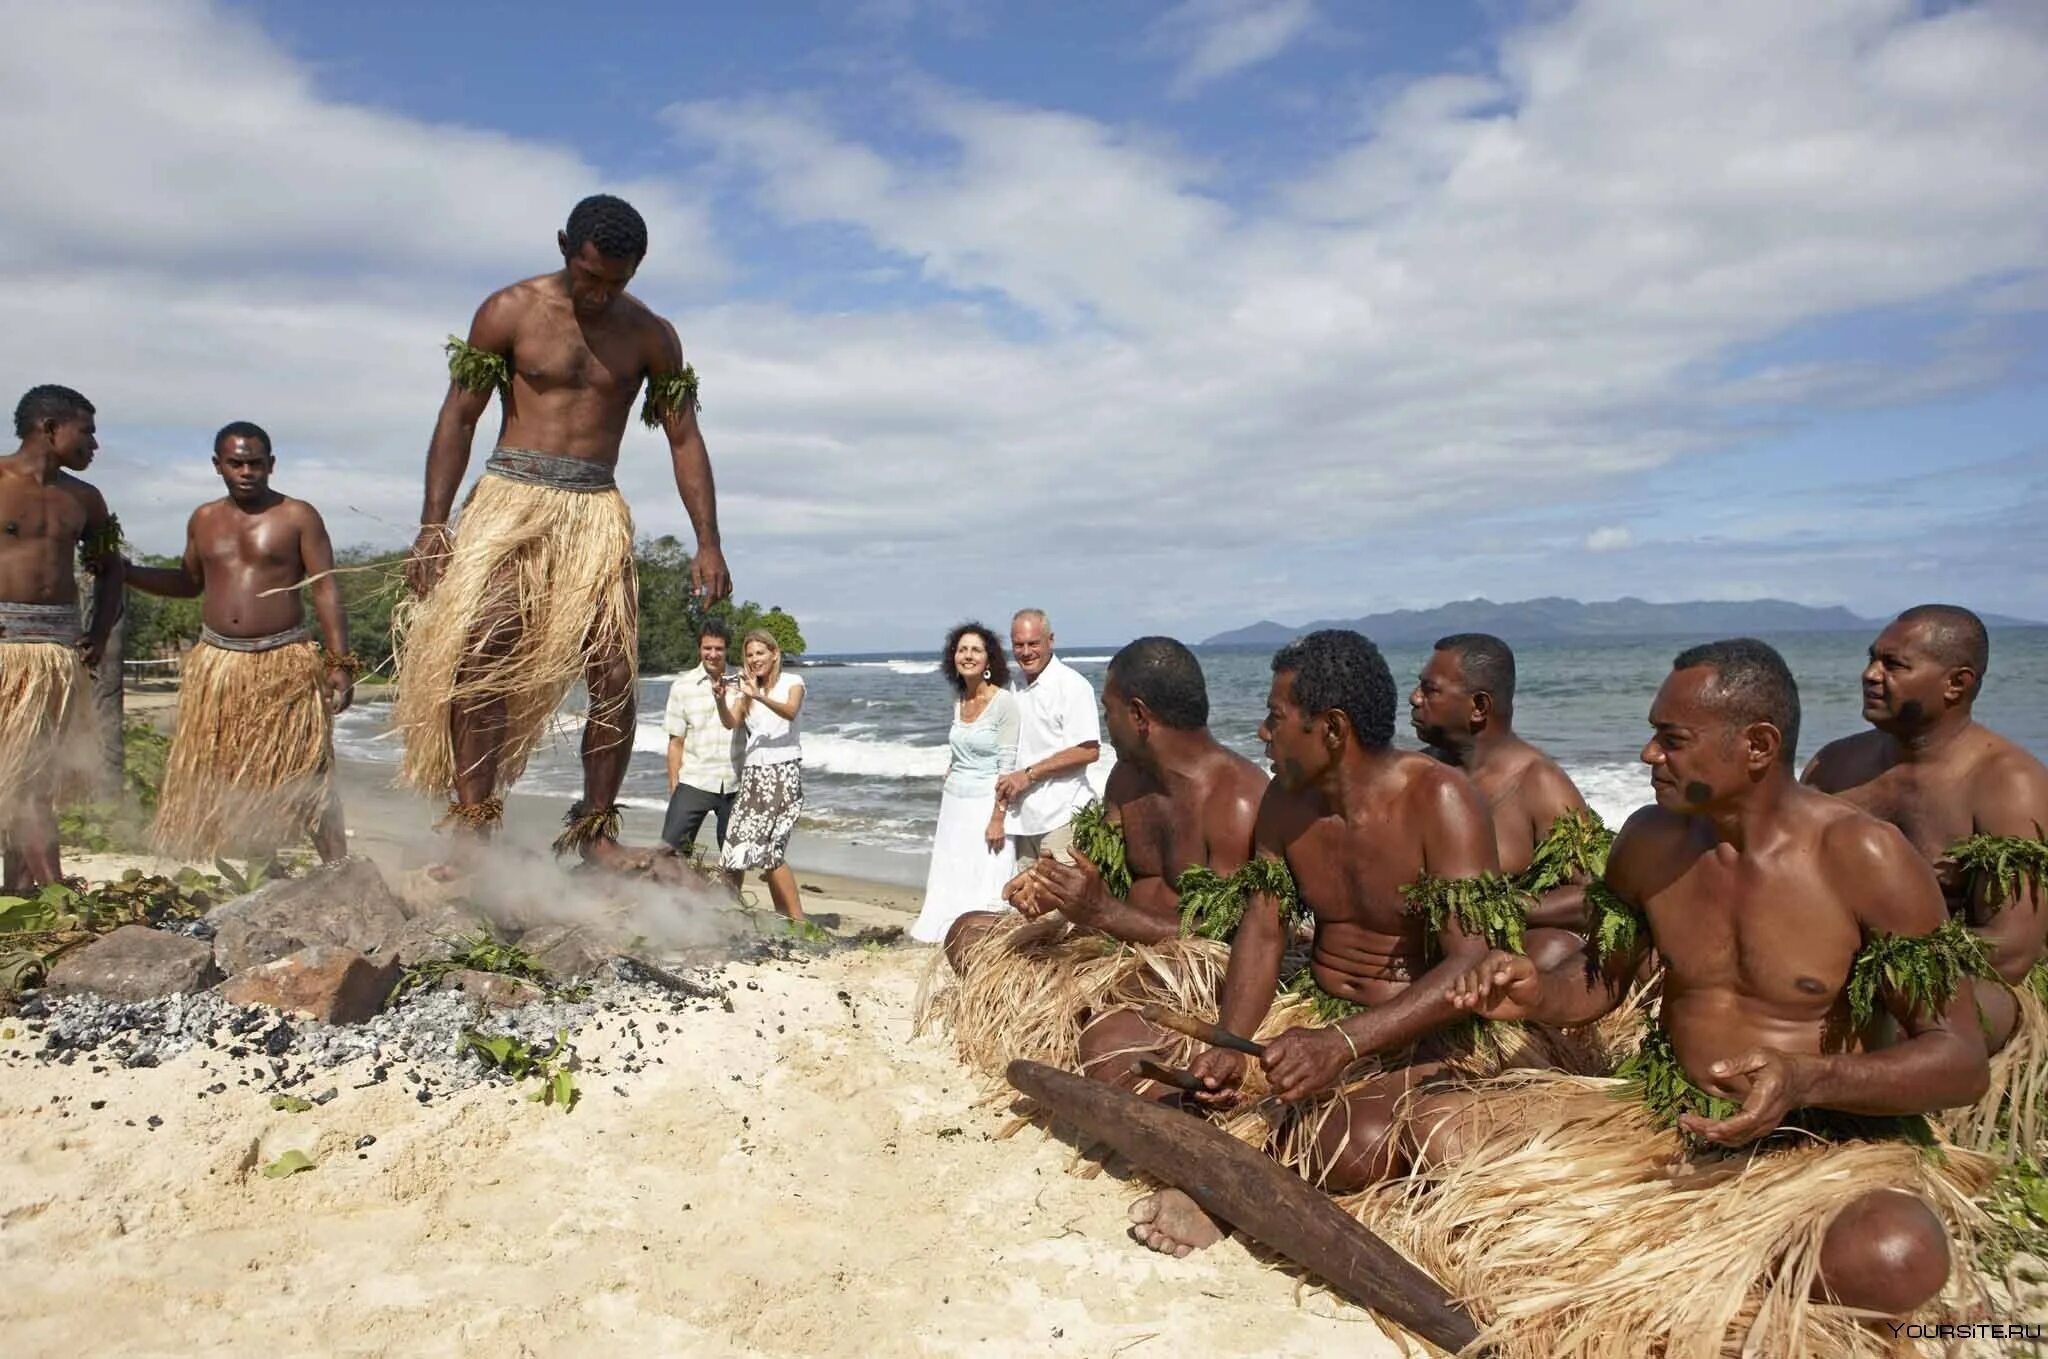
(900, 667)
(1087, 660)
(1613, 790)
(830, 754)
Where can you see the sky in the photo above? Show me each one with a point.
(1164, 317)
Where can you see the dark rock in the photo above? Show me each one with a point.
(326, 982)
(493, 990)
(278, 1040)
(568, 952)
(432, 934)
(134, 963)
(345, 903)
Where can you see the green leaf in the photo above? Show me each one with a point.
(291, 1163)
(290, 1104)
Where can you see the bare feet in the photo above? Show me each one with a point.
(1173, 1224)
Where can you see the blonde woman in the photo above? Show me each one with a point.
(765, 702)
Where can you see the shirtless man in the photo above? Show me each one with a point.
(1178, 795)
(48, 519)
(1759, 894)
(1932, 771)
(536, 589)
(251, 765)
(1355, 821)
(1463, 709)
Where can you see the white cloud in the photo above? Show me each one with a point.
(1185, 404)
(1218, 38)
(1609, 538)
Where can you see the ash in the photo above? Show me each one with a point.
(415, 1040)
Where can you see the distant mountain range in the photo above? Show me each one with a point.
(1531, 620)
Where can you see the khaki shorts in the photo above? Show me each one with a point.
(1054, 841)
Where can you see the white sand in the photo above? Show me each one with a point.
(829, 1186)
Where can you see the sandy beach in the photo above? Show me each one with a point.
(794, 1176)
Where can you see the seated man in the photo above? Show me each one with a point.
(1550, 842)
(1973, 804)
(1177, 800)
(1392, 855)
(1786, 922)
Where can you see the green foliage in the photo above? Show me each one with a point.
(669, 395)
(478, 952)
(1489, 906)
(476, 370)
(155, 626)
(1997, 864)
(1575, 847)
(97, 547)
(290, 1104)
(1923, 970)
(519, 1060)
(288, 1165)
(1213, 906)
(1323, 1007)
(35, 931)
(672, 615)
(1652, 1074)
(1101, 841)
(1616, 928)
(96, 827)
(2017, 1206)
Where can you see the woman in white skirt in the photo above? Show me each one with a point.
(771, 790)
(971, 857)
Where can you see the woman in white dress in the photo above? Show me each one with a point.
(971, 857)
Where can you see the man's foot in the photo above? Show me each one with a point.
(1173, 1224)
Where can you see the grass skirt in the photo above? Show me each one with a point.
(1030, 986)
(1556, 1217)
(251, 767)
(1300, 1135)
(46, 720)
(550, 572)
(2011, 1110)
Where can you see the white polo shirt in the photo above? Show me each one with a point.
(1056, 711)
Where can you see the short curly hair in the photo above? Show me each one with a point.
(611, 224)
(998, 663)
(48, 402)
(1165, 676)
(1751, 683)
(1336, 669)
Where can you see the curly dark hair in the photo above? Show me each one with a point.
(998, 663)
(244, 429)
(48, 402)
(1752, 683)
(1338, 669)
(1166, 677)
(612, 224)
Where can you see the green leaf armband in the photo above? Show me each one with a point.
(1613, 927)
(477, 370)
(1101, 842)
(1924, 970)
(1213, 906)
(1998, 864)
(670, 394)
(1489, 906)
(1575, 847)
(97, 545)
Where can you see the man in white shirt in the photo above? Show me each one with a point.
(703, 753)
(1059, 736)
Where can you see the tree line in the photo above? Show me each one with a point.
(372, 581)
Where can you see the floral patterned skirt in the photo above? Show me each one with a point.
(763, 815)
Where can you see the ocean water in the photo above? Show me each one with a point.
(874, 727)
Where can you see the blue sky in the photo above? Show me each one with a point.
(1162, 316)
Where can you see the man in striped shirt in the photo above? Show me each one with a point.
(703, 763)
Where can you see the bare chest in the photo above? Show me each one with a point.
(1779, 937)
(1162, 837)
(32, 512)
(1352, 873)
(1929, 809)
(550, 356)
(264, 544)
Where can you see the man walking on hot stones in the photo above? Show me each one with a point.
(534, 588)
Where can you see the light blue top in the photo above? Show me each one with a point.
(983, 748)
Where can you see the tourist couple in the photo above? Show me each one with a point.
(1017, 767)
